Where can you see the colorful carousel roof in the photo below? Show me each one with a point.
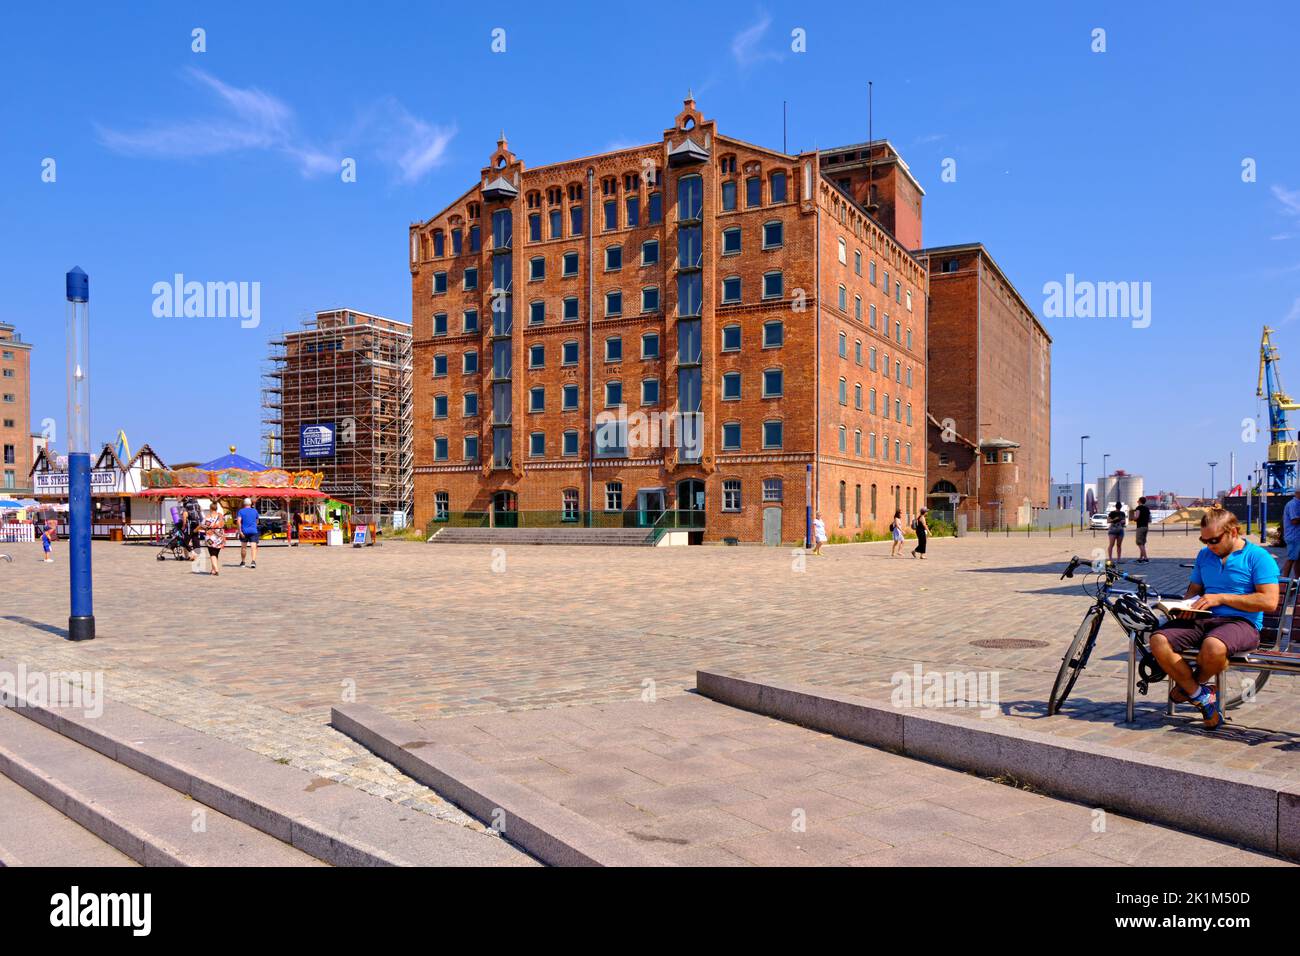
(232, 475)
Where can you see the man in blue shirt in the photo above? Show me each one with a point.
(1236, 581)
(248, 532)
(1291, 534)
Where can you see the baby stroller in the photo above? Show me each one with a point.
(174, 545)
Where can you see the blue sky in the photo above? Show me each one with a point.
(222, 165)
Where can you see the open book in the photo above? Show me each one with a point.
(1172, 607)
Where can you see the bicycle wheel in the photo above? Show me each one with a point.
(1073, 661)
(1241, 685)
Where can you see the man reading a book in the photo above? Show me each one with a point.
(1236, 582)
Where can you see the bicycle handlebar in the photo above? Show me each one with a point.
(1112, 573)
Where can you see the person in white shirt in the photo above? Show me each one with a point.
(819, 533)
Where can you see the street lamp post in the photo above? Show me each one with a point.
(81, 622)
(1212, 464)
(1081, 464)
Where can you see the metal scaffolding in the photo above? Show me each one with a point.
(353, 371)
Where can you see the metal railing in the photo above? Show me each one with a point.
(656, 522)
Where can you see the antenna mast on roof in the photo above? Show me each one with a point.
(783, 126)
(872, 206)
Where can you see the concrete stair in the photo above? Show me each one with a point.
(142, 819)
(126, 785)
(626, 537)
(33, 833)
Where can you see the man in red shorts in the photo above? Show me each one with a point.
(1236, 581)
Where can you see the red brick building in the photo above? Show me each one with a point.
(989, 430)
(691, 326)
(875, 175)
(15, 413)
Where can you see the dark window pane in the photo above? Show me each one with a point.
(688, 342)
(690, 197)
(690, 291)
(690, 247)
(729, 195)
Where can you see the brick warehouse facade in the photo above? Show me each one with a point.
(731, 294)
(989, 434)
(16, 411)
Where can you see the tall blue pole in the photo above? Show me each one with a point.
(81, 622)
(807, 506)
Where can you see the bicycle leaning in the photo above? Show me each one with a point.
(1131, 611)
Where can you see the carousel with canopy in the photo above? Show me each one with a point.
(230, 479)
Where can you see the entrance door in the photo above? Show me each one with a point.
(690, 503)
(772, 526)
(649, 506)
(505, 510)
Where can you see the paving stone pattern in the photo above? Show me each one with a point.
(424, 632)
(700, 783)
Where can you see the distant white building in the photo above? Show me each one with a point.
(1065, 497)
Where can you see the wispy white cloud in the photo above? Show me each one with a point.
(746, 45)
(1289, 198)
(1293, 314)
(252, 119)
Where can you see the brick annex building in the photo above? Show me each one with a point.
(989, 422)
(737, 306)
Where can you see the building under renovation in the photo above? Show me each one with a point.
(337, 399)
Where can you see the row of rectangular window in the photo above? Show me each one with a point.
(871, 363)
(611, 439)
(857, 314)
(773, 337)
(857, 401)
(773, 281)
(900, 448)
(773, 491)
(857, 268)
(773, 387)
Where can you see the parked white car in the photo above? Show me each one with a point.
(1100, 522)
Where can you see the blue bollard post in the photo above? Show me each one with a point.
(81, 621)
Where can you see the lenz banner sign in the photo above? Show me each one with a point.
(316, 441)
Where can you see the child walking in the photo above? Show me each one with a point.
(50, 532)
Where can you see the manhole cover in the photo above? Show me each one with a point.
(1006, 643)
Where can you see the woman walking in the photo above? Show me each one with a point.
(896, 532)
(214, 529)
(819, 533)
(922, 532)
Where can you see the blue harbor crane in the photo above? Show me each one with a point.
(1280, 468)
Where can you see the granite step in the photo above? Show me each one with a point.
(33, 833)
(145, 820)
